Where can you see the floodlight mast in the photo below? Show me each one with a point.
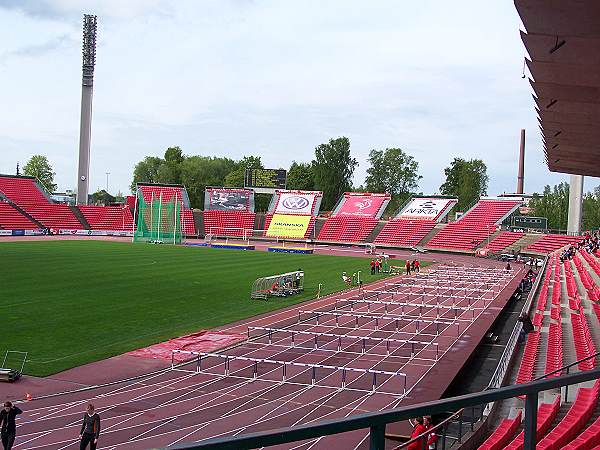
(90, 24)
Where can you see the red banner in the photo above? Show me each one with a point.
(361, 205)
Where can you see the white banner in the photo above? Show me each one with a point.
(291, 203)
(425, 208)
(5, 232)
(96, 232)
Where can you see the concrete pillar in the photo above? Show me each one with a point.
(521, 173)
(85, 135)
(575, 204)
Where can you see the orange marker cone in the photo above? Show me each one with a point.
(28, 397)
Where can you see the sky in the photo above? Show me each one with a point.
(271, 78)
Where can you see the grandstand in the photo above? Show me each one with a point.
(292, 214)
(28, 195)
(108, 217)
(565, 315)
(503, 240)
(478, 224)
(228, 212)
(355, 217)
(414, 221)
(152, 191)
(551, 242)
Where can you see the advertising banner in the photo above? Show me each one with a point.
(229, 200)
(292, 226)
(6, 233)
(425, 208)
(295, 203)
(357, 205)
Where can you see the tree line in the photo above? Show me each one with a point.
(553, 204)
(390, 170)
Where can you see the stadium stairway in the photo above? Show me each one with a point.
(80, 217)
(26, 214)
(431, 234)
(375, 232)
(198, 219)
(526, 240)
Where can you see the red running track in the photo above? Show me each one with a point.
(422, 329)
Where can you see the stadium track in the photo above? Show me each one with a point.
(184, 405)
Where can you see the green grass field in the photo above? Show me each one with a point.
(72, 302)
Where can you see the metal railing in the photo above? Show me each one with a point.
(376, 422)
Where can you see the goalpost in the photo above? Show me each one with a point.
(159, 221)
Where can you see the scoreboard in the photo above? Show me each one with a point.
(265, 178)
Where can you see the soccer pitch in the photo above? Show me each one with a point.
(72, 302)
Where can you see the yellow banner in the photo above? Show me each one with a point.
(287, 225)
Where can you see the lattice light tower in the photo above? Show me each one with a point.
(90, 24)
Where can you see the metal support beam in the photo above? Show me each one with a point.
(377, 437)
(530, 422)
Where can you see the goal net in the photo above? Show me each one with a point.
(159, 220)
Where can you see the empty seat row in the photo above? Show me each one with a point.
(530, 355)
(473, 228)
(551, 242)
(574, 421)
(502, 241)
(502, 434)
(404, 232)
(229, 223)
(115, 218)
(347, 228)
(11, 219)
(545, 416)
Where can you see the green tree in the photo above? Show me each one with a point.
(333, 168)
(236, 177)
(39, 167)
(197, 172)
(170, 170)
(466, 180)
(103, 198)
(591, 210)
(301, 176)
(392, 171)
(553, 204)
(147, 171)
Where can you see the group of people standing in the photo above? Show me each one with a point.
(90, 428)
(375, 266)
(421, 426)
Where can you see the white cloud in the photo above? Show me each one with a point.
(439, 79)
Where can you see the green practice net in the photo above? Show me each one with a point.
(159, 221)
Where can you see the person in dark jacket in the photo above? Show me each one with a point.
(90, 429)
(8, 429)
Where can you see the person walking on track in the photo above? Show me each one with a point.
(90, 429)
(407, 267)
(8, 428)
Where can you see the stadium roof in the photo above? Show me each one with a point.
(563, 42)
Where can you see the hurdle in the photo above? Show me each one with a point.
(390, 318)
(313, 367)
(316, 334)
(385, 304)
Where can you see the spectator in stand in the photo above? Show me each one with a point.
(407, 267)
(8, 428)
(90, 429)
(372, 267)
(431, 437)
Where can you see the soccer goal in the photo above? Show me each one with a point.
(159, 221)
